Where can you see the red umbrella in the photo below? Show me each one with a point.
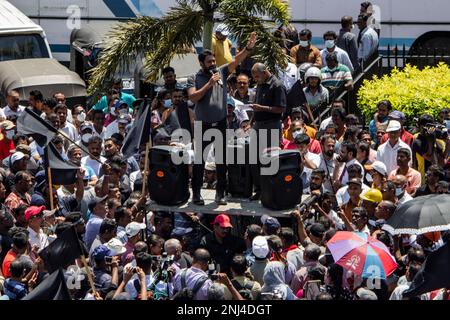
(362, 254)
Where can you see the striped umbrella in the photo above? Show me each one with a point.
(362, 254)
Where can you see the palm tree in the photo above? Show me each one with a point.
(184, 25)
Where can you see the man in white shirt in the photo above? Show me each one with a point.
(367, 39)
(327, 160)
(95, 149)
(65, 126)
(34, 216)
(289, 75)
(12, 108)
(330, 38)
(402, 195)
(347, 157)
(412, 270)
(387, 152)
(342, 195)
(309, 159)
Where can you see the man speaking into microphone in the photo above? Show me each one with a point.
(208, 90)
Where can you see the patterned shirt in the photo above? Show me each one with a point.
(337, 77)
(14, 200)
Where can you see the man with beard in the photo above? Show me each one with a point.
(75, 154)
(208, 90)
(327, 157)
(112, 151)
(222, 244)
(95, 149)
(346, 157)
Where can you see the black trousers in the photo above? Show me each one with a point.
(269, 126)
(221, 168)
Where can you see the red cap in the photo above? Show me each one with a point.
(33, 211)
(223, 220)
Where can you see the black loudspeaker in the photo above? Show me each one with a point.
(238, 168)
(283, 189)
(168, 182)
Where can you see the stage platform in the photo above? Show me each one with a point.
(235, 206)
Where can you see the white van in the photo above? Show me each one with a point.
(26, 62)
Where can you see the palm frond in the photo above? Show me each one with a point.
(243, 17)
(182, 29)
(277, 10)
(158, 38)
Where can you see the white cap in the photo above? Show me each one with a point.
(260, 247)
(379, 167)
(393, 125)
(222, 29)
(133, 228)
(17, 156)
(210, 166)
(115, 246)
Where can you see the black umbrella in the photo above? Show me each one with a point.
(421, 215)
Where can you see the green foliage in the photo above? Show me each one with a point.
(160, 39)
(412, 91)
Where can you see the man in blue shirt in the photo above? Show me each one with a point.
(98, 213)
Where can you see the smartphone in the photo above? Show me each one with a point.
(311, 289)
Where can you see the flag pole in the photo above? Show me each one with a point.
(144, 181)
(89, 275)
(49, 177)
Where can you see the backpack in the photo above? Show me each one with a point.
(246, 290)
(198, 284)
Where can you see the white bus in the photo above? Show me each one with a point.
(413, 23)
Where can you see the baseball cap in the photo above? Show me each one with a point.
(17, 156)
(95, 201)
(180, 231)
(223, 220)
(379, 167)
(115, 246)
(222, 28)
(7, 125)
(25, 149)
(366, 294)
(210, 166)
(397, 115)
(230, 102)
(101, 252)
(272, 224)
(33, 211)
(86, 125)
(355, 181)
(120, 103)
(133, 228)
(393, 125)
(317, 230)
(372, 195)
(260, 247)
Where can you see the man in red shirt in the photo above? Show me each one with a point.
(406, 137)
(6, 138)
(19, 247)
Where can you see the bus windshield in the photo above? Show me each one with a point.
(26, 46)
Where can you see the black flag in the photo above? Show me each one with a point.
(31, 124)
(434, 274)
(63, 172)
(62, 251)
(139, 133)
(53, 287)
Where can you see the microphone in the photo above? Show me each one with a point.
(308, 202)
(213, 71)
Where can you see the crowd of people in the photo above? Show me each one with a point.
(361, 176)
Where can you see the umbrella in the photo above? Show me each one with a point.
(362, 254)
(421, 215)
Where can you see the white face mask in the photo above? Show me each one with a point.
(398, 191)
(297, 133)
(81, 117)
(303, 44)
(113, 111)
(85, 137)
(329, 44)
(10, 134)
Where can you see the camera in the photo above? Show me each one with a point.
(274, 295)
(437, 130)
(108, 260)
(166, 261)
(212, 272)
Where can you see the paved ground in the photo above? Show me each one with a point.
(235, 206)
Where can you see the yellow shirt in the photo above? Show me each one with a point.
(222, 51)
